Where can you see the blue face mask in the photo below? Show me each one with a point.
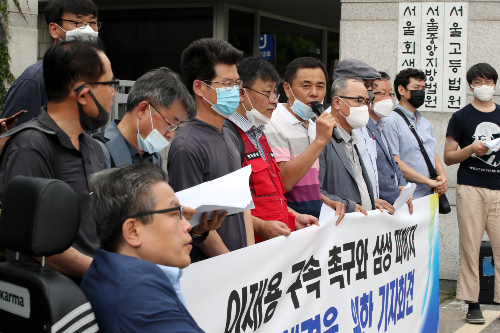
(154, 142)
(300, 109)
(227, 101)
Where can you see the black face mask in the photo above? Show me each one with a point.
(417, 98)
(88, 123)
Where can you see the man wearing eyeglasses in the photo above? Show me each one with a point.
(367, 146)
(62, 16)
(80, 89)
(133, 284)
(204, 149)
(409, 86)
(271, 216)
(342, 173)
(156, 105)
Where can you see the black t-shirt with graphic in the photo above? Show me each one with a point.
(470, 125)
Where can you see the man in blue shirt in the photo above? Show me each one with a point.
(409, 86)
(144, 238)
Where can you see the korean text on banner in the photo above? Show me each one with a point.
(375, 273)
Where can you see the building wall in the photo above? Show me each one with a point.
(369, 32)
(24, 35)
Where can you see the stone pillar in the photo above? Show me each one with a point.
(24, 35)
(369, 32)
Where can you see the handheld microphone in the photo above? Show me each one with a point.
(318, 109)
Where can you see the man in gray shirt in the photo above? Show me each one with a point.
(203, 150)
(342, 174)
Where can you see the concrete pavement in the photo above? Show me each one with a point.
(452, 317)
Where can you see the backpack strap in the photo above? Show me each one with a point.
(55, 146)
(101, 140)
(432, 171)
(232, 127)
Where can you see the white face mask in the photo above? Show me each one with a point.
(155, 142)
(84, 34)
(484, 93)
(383, 108)
(254, 116)
(358, 117)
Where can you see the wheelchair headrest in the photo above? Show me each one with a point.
(40, 217)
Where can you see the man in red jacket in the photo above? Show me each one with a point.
(271, 216)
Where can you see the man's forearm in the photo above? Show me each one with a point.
(249, 228)
(294, 170)
(71, 262)
(213, 245)
(410, 174)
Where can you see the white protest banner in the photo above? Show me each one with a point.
(375, 273)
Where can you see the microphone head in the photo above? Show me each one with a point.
(316, 104)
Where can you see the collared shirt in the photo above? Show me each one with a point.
(136, 156)
(252, 132)
(367, 147)
(349, 142)
(405, 145)
(174, 274)
(30, 154)
(288, 138)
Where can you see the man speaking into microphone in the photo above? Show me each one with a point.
(297, 141)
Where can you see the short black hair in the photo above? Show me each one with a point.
(304, 62)
(384, 76)
(198, 60)
(403, 79)
(56, 8)
(119, 194)
(484, 70)
(251, 69)
(66, 63)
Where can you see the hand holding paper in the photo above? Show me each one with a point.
(229, 193)
(493, 144)
(405, 195)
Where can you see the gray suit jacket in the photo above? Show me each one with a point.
(336, 176)
(387, 167)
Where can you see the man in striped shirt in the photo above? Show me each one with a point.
(297, 141)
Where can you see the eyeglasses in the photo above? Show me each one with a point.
(368, 86)
(271, 97)
(171, 127)
(229, 84)
(114, 84)
(96, 25)
(384, 94)
(179, 208)
(361, 101)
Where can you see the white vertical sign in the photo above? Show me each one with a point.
(455, 56)
(409, 29)
(432, 40)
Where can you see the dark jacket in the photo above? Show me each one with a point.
(129, 294)
(336, 176)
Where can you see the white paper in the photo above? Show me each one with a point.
(229, 193)
(493, 144)
(327, 213)
(405, 195)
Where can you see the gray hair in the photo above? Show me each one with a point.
(120, 193)
(340, 86)
(161, 87)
